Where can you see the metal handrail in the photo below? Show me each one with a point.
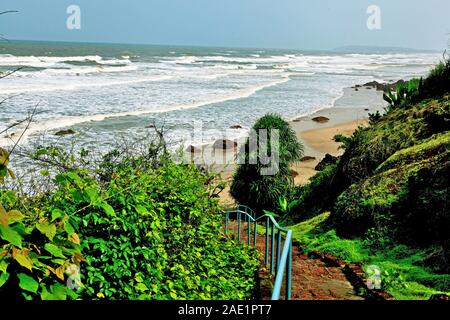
(281, 262)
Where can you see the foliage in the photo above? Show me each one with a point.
(404, 93)
(141, 227)
(407, 196)
(390, 186)
(317, 195)
(402, 272)
(250, 186)
(36, 248)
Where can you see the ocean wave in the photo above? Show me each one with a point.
(67, 121)
(48, 62)
(49, 87)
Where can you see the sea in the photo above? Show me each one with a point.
(106, 91)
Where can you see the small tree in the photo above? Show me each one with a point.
(259, 191)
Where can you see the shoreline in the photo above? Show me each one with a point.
(350, 111)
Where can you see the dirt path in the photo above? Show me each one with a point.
(312, 279)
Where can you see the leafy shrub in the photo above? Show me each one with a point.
(408, 196)
(404, 93)
(316, 196)
(36, 248)
(144, 232)
(259, 191)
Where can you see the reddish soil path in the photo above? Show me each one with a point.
(312, 279)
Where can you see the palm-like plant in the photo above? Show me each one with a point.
(259, 191)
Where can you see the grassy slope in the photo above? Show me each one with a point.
(387, 199)
(401, 276)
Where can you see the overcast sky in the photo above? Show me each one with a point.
(299, 24)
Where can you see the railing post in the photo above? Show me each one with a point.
(278, 250)
(239, 225)
(289, 272)
(255, 230)
(248, 231)
(272, 250)
(226, 221)
(267, 241)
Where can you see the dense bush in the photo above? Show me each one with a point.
(140, 228)
(317, 196)
(259, 191)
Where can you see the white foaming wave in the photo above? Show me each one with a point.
(45, 62)
(62, 122)
(75, 71)
(79, 85)
(181, 60)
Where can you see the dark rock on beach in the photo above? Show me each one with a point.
(326, 161)
(225, 144)
(236, 127)
(320, 119)
(307, 158)
(65, 132)
(383, 86)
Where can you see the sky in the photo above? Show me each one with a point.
(290, 24)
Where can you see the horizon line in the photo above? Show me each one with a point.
(224, 47)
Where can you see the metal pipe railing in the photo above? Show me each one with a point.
(280, 262)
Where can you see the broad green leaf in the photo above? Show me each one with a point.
(27, 283)
(57, 213)
(56, 292)
(47, 228)
(108, 209)
(24, 261)
(15, 216)
(10, 235)
(69, 229)
(141, 287)
(3, 278)
(3, 265)
(283, 203)
(54, 250)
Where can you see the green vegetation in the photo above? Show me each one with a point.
(136, 226)
(250, 186)
(402, 274)
(388, 195)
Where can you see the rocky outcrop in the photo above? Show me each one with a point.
(307, 158)
(383, 86)
(320, 119)
(326, 161)
(65, 132)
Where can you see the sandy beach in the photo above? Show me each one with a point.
(349, 112)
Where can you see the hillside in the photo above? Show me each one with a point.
(391, 186)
